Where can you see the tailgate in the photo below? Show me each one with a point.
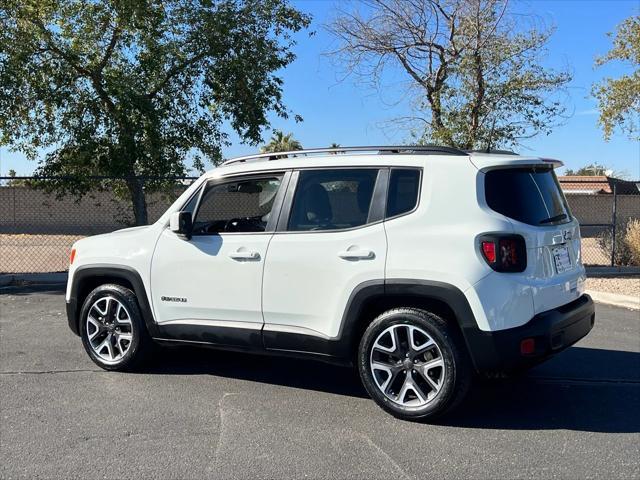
(531, 198)
(554, 266)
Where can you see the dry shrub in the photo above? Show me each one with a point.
(627, 243)
(632, 240)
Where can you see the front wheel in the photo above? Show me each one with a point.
(112, 330)
(413, 364)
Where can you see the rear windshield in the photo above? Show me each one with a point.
(528, 195)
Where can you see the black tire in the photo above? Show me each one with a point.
(457, 372)
(140, 345)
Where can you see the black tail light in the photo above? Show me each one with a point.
(504, 253)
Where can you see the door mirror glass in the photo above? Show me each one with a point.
(181, 223)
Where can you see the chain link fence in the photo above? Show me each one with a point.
(37, 228)
(603, 223)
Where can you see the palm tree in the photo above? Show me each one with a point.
(15, 183)
(281, 143)
(335, 145)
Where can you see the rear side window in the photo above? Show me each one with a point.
(527, 195)
(404, 185)
(332, 199)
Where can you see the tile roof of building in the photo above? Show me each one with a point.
(585, 184)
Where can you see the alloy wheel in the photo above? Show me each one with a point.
(109, 329)
(407, 365)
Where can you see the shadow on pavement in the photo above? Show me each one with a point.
(583, 389)
(25, 290)
(289, 372)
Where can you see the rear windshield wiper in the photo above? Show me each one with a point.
(555, 218)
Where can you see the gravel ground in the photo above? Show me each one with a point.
(592, 254)
(621, 285)
(27, 253)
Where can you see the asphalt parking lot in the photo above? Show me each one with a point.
(201, 413)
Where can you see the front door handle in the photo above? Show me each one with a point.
(245, 255)
(354, 253)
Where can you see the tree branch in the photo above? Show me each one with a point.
(83, 71)
(174, 71)
(109, 51)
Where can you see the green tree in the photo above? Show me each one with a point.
(281, 142)
(14, 183)
(596, 169)
(591, 170)
(135, 88)
(334, 145)
(474, 71)
(619, 99)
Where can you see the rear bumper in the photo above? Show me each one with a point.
(552, 332)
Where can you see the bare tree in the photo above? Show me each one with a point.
(473, 65)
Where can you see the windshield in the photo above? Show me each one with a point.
(529, 195)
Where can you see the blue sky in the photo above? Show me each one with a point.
(344, 112)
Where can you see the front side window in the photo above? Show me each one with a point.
(404, 186)
(238, 206)
(332, 199)
(190, 206)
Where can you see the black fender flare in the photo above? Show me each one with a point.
(92, 271)
(443, 292)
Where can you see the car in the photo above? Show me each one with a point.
(424, 267)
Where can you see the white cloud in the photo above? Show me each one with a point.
(590, 111)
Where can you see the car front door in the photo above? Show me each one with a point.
(208, 288)
(329, 240)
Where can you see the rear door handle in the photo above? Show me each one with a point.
(356, 254)
(244, 255)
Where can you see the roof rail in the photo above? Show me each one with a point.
(379, 150)
(492, 151)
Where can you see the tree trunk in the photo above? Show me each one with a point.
(478, 100)
(138, 200)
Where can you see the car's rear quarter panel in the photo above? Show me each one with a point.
(437, 242)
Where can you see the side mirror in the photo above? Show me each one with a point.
(181, 223)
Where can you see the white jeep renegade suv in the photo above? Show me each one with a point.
(421, 265)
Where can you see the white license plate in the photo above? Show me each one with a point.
(562, 259)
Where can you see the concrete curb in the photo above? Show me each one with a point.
(615, 299)
(32, 278)
(612, 271)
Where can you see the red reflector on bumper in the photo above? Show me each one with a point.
(527, 346)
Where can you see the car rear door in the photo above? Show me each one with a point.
(330, 239)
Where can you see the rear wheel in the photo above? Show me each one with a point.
(413, 364)
(112, 330)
